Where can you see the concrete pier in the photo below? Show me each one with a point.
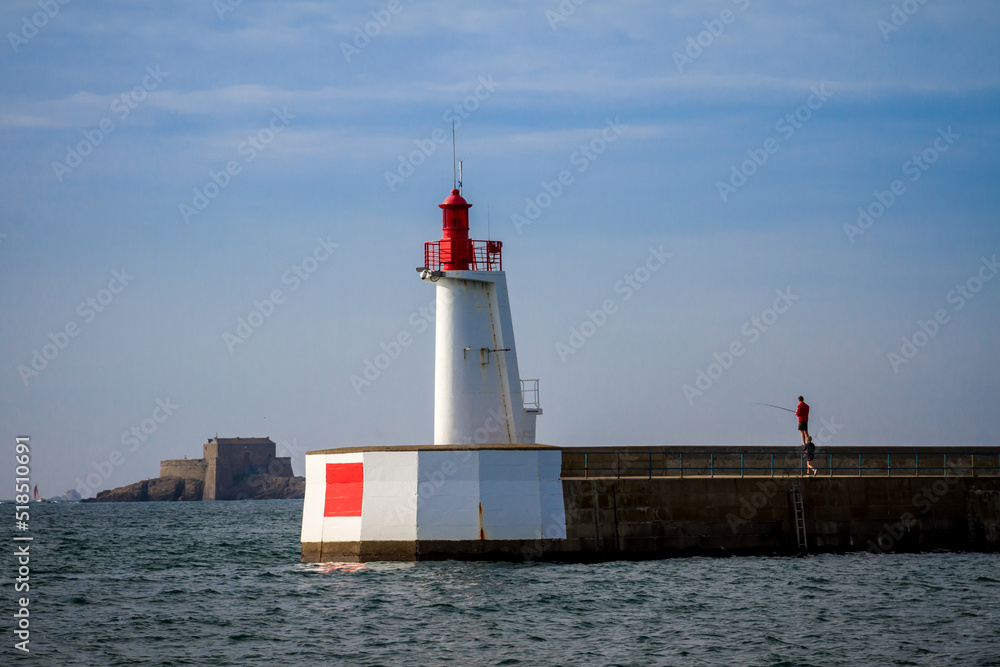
(657, 502)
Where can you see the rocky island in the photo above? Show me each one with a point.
(231, 469)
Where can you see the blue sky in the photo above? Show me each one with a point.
(309, 118)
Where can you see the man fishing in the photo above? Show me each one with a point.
(802, 412)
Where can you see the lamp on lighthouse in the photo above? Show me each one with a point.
(456, 247)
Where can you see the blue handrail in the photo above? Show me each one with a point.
(713, 463)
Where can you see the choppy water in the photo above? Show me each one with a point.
(220, 584)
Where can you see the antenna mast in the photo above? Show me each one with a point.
(454, 178)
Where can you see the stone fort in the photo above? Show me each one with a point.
(226, 461)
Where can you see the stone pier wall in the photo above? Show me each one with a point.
(652, 518)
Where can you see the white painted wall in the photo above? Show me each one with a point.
(389, 509)
(315, 526)
(436, 494)
(449, 495)
(550, 494)
(509, 492)
(312, 504)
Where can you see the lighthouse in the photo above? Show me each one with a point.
(484, 488)
(479, 396)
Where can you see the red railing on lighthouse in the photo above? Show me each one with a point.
(485, 256)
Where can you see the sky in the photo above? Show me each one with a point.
(212, 212)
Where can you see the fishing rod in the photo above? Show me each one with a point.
(775, 406)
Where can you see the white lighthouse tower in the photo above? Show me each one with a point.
(479, 396)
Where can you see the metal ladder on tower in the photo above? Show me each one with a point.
(799, 515)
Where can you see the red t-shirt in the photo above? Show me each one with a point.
(802, 412)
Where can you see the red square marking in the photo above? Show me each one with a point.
(344, 488)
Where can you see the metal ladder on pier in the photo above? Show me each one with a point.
(799, 515)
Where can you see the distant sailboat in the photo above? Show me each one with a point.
(38, 498)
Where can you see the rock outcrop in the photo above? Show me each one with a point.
(156, 489)
(266, 487)
(249, 487)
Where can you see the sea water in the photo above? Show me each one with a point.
(220, 583)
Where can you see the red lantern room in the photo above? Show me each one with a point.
(456, 251)
(456, 247)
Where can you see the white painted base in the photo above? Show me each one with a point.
(437, 494)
